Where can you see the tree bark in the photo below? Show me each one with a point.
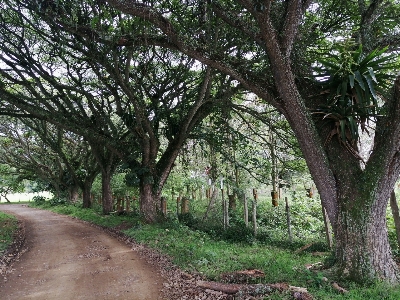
(362, 246)
(396, 216)
(86, 197)
(148, 203)
(73, 192)
(107, 199)
(327, 226)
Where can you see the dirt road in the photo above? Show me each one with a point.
(68, 259)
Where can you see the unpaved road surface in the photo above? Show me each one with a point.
(68, 259)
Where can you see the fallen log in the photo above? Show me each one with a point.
(243, 276)
(254, 289)
(220, 287)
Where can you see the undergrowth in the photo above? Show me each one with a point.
(8, 225)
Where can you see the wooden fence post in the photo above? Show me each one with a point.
(185, 205)
(164, 206)
(274, 195)
(178, 202)
(288, 219)
(122, 203)
(223, 207)
(118, 203)
(254, 210)
(245, 210)
(128, 203)
(226, 213)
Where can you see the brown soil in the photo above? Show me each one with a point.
(67, 259)
(58, 257)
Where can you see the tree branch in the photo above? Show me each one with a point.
(167, 28)
(292, 21)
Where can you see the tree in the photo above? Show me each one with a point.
(31, 158)
(61, 161)
(81, 74)
(270, 48)
(76, 155)
(10, 181)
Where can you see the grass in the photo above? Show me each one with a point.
(197, 251)
(8, 225)
(91, 215)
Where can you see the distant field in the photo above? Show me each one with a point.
(18, 197)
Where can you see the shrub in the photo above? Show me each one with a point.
(237, 231)
(39, 200)
(58, 201)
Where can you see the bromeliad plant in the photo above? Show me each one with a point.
(356, 85)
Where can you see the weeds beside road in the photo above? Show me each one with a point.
(197, 252)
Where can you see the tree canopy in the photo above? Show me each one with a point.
(77, 62)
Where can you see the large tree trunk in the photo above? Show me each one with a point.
(87, 187)
(73, 193)
(107, 199)
(148, 203)
(363, 252)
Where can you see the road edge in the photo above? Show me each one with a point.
(14, 251)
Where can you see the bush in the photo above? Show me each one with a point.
(188, 219)
(57, 201)
(39, 200)
(237, 232)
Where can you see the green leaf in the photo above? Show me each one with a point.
(368, 58)
(360, 94)
(357, 54)
(351, 79)
(385, 60)
(334, 67)
(374, 54)
(371, 72)
(371, 86)
(353, 127)
(359, 79)
(342, 125)
(95, 20)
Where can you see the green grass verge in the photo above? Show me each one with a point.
(8, 225)
(91, 215)
(194, 250)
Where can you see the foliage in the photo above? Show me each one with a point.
(57, 160)
(132, 103)
(357, 84)
(54, 201)
(8, 225)
(39, 200)
(85, 73)
(238, 232)
(306, 219)
(10, 181)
